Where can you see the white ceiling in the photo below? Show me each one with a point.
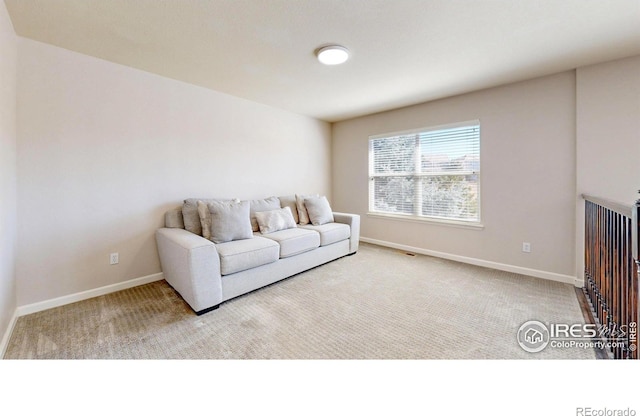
(403, 51)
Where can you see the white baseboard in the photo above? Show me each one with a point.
(88, 294)
(563, 278)
(76, 297)
(4, 343)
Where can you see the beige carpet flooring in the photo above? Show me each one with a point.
(378, 304)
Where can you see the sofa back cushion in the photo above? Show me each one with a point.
(173, 218)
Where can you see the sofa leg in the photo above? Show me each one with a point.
(202, 312)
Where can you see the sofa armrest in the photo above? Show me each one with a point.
(353, 221)
(191, 265)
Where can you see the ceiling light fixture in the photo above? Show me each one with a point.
(332, 54)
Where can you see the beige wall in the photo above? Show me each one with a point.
(608, 129)
(528, 174)
(608, 136)
(7, 169)
(104, 150)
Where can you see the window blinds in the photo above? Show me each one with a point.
(432, 173)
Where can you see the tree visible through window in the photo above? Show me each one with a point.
(429, 173)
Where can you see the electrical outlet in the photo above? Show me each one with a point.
(526, 247)
(113, 258)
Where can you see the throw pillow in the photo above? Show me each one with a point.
(205, 219)
(191, 216)
(290, 201)
(276, 220)
(319, 210)
(257, 205)
(229, 221)
(303, 215)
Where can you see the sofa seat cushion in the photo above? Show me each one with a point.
(330, 233)
(294, 241)
(239, 255)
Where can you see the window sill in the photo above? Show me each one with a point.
(447, 223)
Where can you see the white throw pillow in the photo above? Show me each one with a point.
(290, 201)
(319, 210)
(257, 205)
(229, 221)
(303, 215)
(275, 220)
(205, 219)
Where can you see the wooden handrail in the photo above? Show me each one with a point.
(626, 210)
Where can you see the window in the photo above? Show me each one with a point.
(431, 173)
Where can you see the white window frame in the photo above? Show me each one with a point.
(416, 216)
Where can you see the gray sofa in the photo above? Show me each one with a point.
(207, 271)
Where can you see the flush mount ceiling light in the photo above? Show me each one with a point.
(332, 54)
